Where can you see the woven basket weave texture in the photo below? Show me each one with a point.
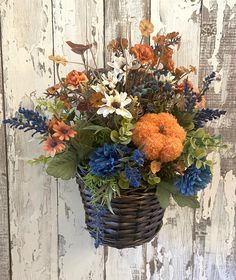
(136, 220)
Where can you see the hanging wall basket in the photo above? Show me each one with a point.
(136, 220)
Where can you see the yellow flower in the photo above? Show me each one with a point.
(146, 27)
(58, 59)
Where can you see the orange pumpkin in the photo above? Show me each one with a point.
(159, 136)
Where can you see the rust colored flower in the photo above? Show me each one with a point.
(155, 166)
(75, 78)
(58, 59)
(79, 48)
(118, 44)
(144, 54)
(95, 99)
(146, 27)
(53, 145)
(180, 87)
(53, 90)
(180, 167)
(52, 122)
(159, 40)
(66, 101)
(83, 105)
(159, 136)
(167, 60)
(63, 131)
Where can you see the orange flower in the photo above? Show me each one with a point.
(52, 122)
(58, 59)
(52, 90)
(155, 166)
(159, 39)
(95, 99)
(53, 145)
(159, 136)
(146, 27)
(202, 103)
(166, 59)
(75, 78)
(180, 87)
(63, 131)
(144, 53)
(66, 101)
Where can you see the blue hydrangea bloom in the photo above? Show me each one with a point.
(137, 157)
(105, 161)
(194, 180)
(133, 175)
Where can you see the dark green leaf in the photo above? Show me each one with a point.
(163, 196)
(63, 165)
(190, 201)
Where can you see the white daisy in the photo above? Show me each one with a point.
(115, 104)
(110, 80)
(166, 79)
(99, 88)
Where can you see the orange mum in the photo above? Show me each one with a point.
(144, 54)
(159, 136)
(75, 78)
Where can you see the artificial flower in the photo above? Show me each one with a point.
(110, 80)
(194, 180)
(115, 104)
(137, 157)
(63, 131)
(146, 27)
(169, 78)
(155, 166)
(105, 161)
(167, 60)
(144, 54)
(95, 100)
(133, 175)
(53, 90)
(58, 59)
(159, 40)
(75, 78)
(118, 45)
(99, 88)
(159, 136)
(53, 145)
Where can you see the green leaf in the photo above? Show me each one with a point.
(63, 165)
(40, 159)
(97, 128)
(190, 201)
(198, 164)
(123, 181)
(163, 196)
(200, 153)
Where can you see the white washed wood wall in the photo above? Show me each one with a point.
(42, 230)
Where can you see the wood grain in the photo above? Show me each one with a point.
(4, 218)
(79, 22)
(32, 195)
(215, 232)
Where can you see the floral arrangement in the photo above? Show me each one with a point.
(139, 123)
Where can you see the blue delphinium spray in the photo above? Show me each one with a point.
(132, 172)
(28, 120)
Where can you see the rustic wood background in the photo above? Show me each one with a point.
(42, 234)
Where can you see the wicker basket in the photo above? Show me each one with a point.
(136, 220)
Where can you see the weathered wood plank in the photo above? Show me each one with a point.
(79, 22)
(4, 226)
(215, 234)
(26, 40)
(129, 263)
(169, 256)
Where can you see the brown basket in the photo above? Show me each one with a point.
(136, 220)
